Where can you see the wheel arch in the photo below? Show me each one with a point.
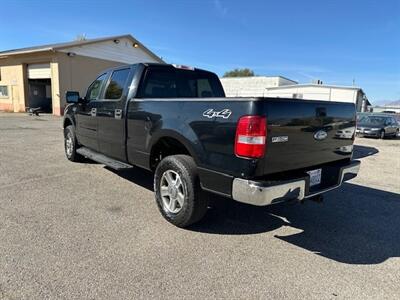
(68, 121)
(169, 142)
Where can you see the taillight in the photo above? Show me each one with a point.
(251, 134)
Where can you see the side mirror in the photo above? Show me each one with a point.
(72, 97)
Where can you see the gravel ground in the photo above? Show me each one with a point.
(82, 231)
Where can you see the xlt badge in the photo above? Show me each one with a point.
(280, 139)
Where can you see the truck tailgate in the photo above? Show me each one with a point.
(304, 133)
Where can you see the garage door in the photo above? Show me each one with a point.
(39, 71)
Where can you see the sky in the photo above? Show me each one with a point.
(340, 42)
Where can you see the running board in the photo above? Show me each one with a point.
(102, 159)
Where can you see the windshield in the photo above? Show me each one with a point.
(373, 120)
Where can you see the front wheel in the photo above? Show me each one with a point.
(179, 196)
(70, 144)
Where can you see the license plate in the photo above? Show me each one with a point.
(315, 176)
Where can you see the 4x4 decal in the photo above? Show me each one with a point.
(211, 113)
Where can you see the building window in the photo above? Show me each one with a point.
(297, 96)
(3, 91)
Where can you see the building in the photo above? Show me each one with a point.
(281, 87)
(40, 76)
(386, 108)
(252, 86)
(322, 92)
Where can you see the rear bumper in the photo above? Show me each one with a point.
(375, 133)
(262, 193)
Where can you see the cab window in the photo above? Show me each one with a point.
(116, 84)
(178, 83)
(159, 83)
(94, 89)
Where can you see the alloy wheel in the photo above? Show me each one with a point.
(172, 191)
(69, 144)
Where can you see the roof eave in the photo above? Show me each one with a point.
(63, 46)
(128, 36)
(7, 54)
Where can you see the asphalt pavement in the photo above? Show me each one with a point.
(82, 231)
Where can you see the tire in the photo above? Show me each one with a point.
(179, 196)
(70, 144)
(382, 135)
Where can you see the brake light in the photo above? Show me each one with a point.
(183, 67)
(251, 134)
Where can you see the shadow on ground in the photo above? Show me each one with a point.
(363, 151)
(137, 176)
(354, 225)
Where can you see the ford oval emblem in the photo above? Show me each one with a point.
(320, 135)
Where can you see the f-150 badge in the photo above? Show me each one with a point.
(211, 113)
(280, 139)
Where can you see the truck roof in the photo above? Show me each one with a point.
(183, 67)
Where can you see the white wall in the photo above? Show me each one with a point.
(251, 86)
(379, 109)
(315, 93)
(122, 52)
(261, 86)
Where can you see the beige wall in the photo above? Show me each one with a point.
(76, 73)
(12, 78)
(67, 73)
(13, 75)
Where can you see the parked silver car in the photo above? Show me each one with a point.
(379, 126)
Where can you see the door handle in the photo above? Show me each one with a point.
(148, 123)
(118, 113)
(93, 112)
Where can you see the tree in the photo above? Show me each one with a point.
(239, 73)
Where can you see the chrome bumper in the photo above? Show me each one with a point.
(260, 193)
(368, 133)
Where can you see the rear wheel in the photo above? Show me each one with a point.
(70, 144)
(179, 196)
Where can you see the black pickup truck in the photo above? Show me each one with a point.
(176, 122)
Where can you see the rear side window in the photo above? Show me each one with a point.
(94, 89)
(116, 85)
(176, 83)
